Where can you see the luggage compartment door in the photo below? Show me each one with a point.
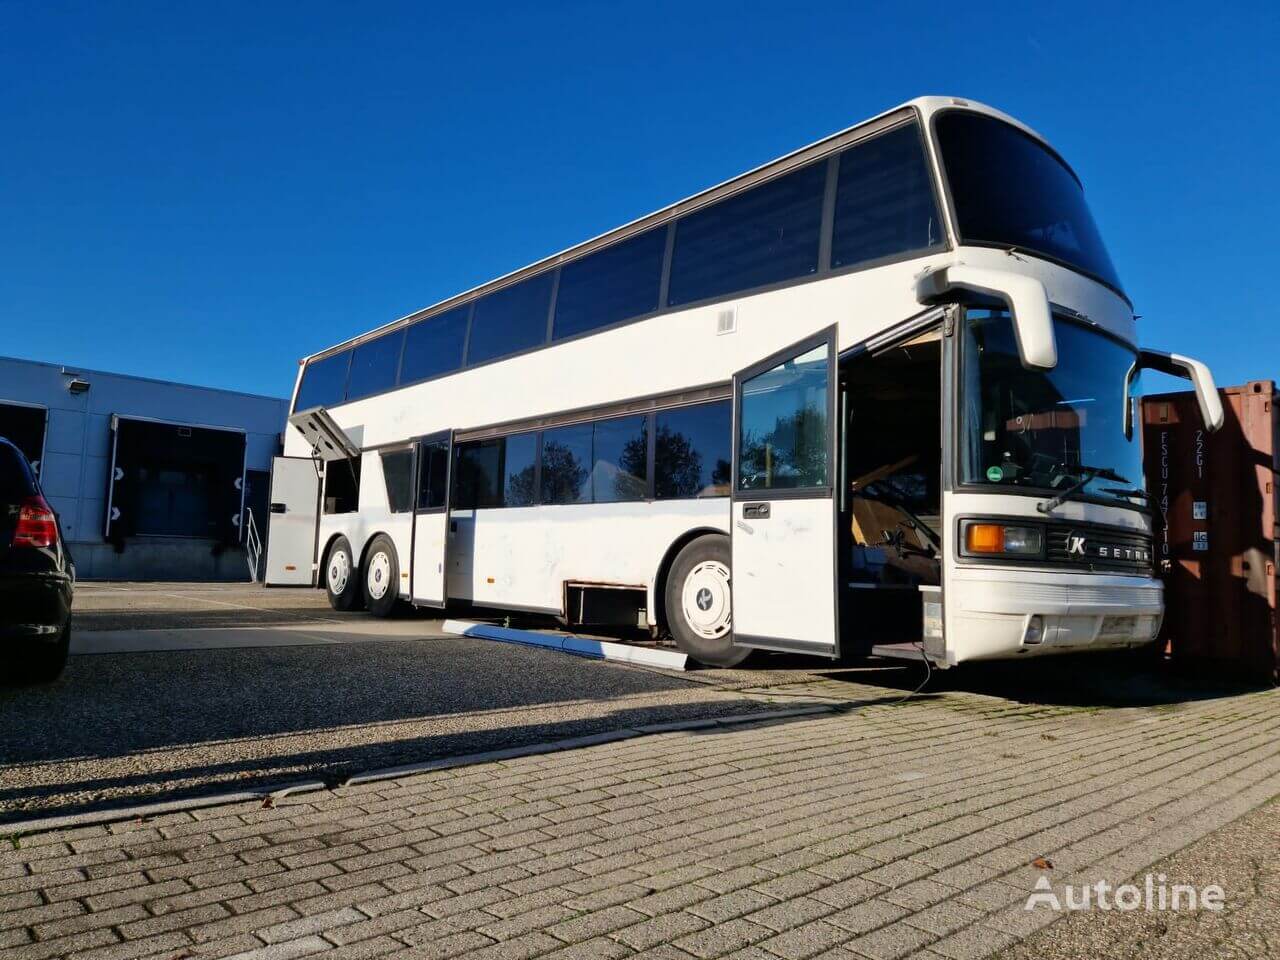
(294, 514)
(434, 472)
(783, 534)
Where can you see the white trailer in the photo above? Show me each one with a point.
(875, 394)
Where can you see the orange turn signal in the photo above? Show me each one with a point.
(984, 538)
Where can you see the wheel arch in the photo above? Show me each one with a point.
(658, 585)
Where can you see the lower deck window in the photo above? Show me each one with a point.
(342, 486)
(397, 473)
(692, 451)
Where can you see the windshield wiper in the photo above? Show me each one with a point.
(1086, 474)
(1127, 492)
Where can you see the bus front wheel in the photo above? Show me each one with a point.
(342, 577)
(699, 603)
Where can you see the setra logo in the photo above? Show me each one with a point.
(1075, 546)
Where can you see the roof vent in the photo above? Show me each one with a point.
(726, 321)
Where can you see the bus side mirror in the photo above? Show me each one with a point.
(1025, 297)
(1176, 365)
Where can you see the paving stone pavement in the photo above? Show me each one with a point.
(881, 832)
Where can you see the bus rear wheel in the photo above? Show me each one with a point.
(699, 603)
(341, 577)
(381, 577)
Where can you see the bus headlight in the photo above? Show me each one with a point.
(983, 539)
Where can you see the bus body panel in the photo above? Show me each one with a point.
(521, 557)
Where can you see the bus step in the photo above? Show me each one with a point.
(898, 651)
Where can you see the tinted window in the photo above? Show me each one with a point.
(433, 474)
(884, 199)
(1009, 189)
(397, 473)
(566, 464)
(620, 281)
(434, 346)
(511, 320)
(15, 479)
(519, 470)
(324, 382)
(373, 365)
(619, 459)
(783, 434)
(765, 235)
(479, 482)
(692, 451)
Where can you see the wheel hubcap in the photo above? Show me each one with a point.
(379, 575)
(339, 571)
(706, 600)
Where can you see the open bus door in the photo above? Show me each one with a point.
(294, 513)
(783, 534)
(294, 527)
(428, 573)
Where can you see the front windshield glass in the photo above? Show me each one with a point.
(1048, 429)
(1009, 190)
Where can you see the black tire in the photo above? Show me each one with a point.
(381, 573)
(44, 662)
(342, 577)
(703, 626)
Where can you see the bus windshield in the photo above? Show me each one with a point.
(1009, 190)
(1048, 429)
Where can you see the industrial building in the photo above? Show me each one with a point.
(151, 480)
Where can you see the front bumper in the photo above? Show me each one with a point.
(988, 611)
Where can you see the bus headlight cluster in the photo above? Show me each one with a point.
(997, 539)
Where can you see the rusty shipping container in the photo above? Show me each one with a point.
(1214, 500)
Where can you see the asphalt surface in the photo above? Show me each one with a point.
(1243, 858)
(124, 728)
(129, 726)
(178, 606)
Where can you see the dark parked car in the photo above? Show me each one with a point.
(37, 576)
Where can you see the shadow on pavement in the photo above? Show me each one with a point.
(1088, 680)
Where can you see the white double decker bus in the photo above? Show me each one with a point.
(875, 395)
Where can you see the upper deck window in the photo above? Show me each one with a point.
(764, 235)
(434, 346)
(614, 284)
(884, 200)
(510, 320)
(374, 364)
(1010, 190)
(324, 382)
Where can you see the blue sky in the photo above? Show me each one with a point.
(206, 192)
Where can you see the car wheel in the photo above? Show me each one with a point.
(699, 603)
(44, 662)
(381, 577)
(341, 577)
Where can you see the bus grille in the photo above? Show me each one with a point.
(1095, 548)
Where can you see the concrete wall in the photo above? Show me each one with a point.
(77, 459)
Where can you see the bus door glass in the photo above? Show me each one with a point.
(431, 520)
(783, 533)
